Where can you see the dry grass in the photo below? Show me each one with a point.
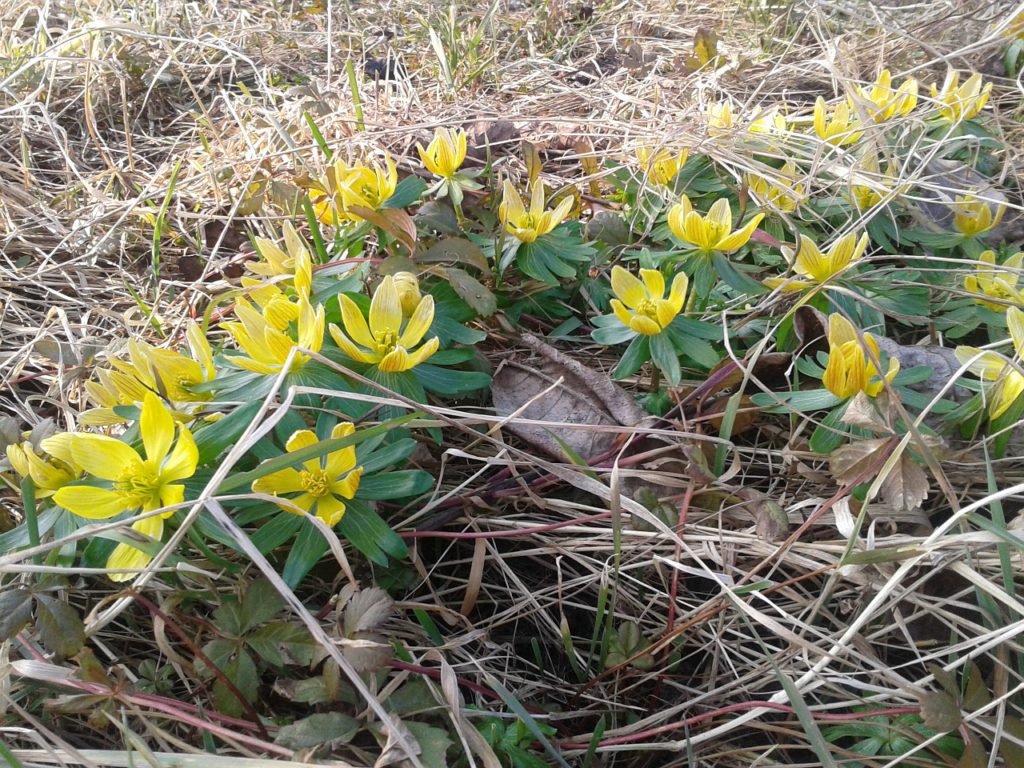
(103, 103)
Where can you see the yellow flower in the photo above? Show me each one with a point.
(445, 153)
(408, 287)
(785, 196)
(661, 165)
(136, 483)
(960, 102)
(295, 261)
(883, 102)
(809, 262)
(49, 474)
(113, 388)
(527, 225)
(383, 342)
(973, 216)
(999, 283)
(720, 117)
(841, 129)
(266, 347)
(712, 232)
(152, 369)
(346, 186)
(991, 366)
(850, 369)
(642, 305)
(772, 121)
(866, 196)
(322, 483)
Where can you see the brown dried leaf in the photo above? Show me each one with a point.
(582, 397)
(491, 137)
(904, 488)
(394, 221)
(861, 412)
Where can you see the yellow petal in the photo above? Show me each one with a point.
(1005, 393)
(628, 288)
(395, 361)
(840, 330)
(127, 558)
(1015, 323)
(654, 282)
(330, 510)
(385, 309)
(354, 322)
(740, 237)
(157, 428)
(105, 457)
(423, 353)
(418, 324)
(350, 349)
(181, 464)
(982, 363)
(644, 325)
(285, 480)
(92, 503)
(511, 209)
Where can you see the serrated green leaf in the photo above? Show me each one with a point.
(260, 603)
(59, 626)
(324, 728)
(15, 611)
(281, 644)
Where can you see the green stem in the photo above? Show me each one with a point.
(28, 500)
(655, 378)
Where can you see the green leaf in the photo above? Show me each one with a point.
(433, 741)
(280, 529)
(664, 355)
(59, 626)
(370, 534)
(18, 537)
(306, 552)
(699, 351)
(214, 438)
(324, 728)
(609, 330)
(407, 191)
(260, 603)
(281, 643)
(637, 353)
(831, 433)
(456, 250)
(388, 456)
(15, 611)
(800, 401)
(472, 291)
(445, 381)
(398, 484)
(241, 671)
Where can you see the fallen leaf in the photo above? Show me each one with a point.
(395, 221)
(562, 390)
(904, 488)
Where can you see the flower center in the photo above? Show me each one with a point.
(648, 308)
(386, 342)
(315, 483)
(140, 485)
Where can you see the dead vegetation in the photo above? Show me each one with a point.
(648, 612)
